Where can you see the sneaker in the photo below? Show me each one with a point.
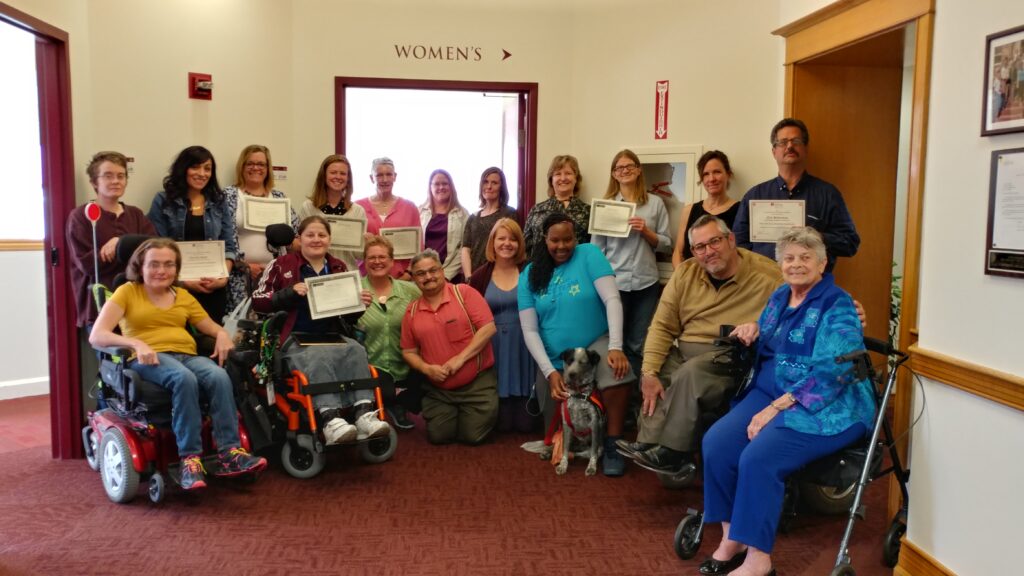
(370, 426)
(612, 463)
(193, 475)
(236, 461)
(337, 431)
(662, 459)
(632, 449)
(400, 417)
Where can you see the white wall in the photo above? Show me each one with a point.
(23, 351)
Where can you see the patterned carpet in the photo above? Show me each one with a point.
(431, 510)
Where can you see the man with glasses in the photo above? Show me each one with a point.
(446, 336)
(824, 208)
(721, 284)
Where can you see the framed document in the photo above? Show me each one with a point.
(406, 240)
(610, 218)
(770, 219)
(202, 260)
(1004, 249)
(347, 233)
(334, 294)
(258, 213)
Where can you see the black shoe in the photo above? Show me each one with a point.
(712, 567)
(400, 417)
(661, 459)
(632, 449)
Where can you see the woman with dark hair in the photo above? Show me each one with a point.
(568, 299)
(152, 313)
(192, 208)
(332, 195)
(632, 258)
(715, 174)
(493, 207)
(443, 220)
(564, 182)
(498, 281)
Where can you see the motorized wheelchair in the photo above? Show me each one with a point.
(841, 477)
(131, 441)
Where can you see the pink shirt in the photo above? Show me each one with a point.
(403, 214)
(441, 334)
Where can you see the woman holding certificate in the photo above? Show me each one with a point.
(493, 207)
(715, 174)
(443, 220)
(254, 180)
(385, 211)
(286, 286)
(193, 208)
(332, 197)
(633, 256)
(564, 181)
(568, 299)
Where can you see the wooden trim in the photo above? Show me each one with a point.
(1002, 387)
(20, 245)
(917, 562)
(788, 90)
(847, 22)
(29, 23)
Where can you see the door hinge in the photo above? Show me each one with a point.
(53, 257)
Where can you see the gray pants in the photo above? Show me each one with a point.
(331, 363)
(695, 384)
(466, 414)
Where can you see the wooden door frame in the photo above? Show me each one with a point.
(54, 84)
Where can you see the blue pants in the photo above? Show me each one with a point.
(638, 309)
(184, 375)
(744, 481)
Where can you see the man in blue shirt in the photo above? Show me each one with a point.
(824, 208)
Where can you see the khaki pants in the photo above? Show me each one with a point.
(466, 414)
(695, 383)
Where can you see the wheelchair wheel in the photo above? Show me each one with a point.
(891, 545)
(687, 540)
(91, 449)
(828, 500)
(301, 462)
(843, 570)
(379, 449)
(157, 488)
(120, 479)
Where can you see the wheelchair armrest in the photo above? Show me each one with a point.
(115, 351)
(882, 347)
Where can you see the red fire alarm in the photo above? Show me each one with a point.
(200, 86)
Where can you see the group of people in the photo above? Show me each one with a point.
(475, 324)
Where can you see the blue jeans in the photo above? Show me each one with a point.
(638, 309)
(185, 375)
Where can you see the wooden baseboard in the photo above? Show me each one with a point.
(1001, 387)
(917, 562)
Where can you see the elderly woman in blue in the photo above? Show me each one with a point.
(801, 406)
(568, 299)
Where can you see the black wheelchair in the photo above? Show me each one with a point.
(838, 481)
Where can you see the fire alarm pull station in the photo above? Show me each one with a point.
(200, 86)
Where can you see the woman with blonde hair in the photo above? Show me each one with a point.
(443, 220)
(332, 196)
(564, 182)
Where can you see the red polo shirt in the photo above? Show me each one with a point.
(442, 333)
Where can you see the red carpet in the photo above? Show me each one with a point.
(431, 510)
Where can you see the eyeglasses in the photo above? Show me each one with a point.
(114, 176)
(703, 246)
(427, 272)
(255, 164)
(785, 142)
(377, 258)
(624, 169)
(160, 265)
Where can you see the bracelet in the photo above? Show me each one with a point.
(777, 409)
(648, 372)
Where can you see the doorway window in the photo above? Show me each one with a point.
(22, 216)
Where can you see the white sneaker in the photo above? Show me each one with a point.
(370, 426)
(337, 430)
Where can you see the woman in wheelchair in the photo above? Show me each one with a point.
(283, 288)
(152, 313)
(800, 406)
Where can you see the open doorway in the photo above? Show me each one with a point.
(463, 127)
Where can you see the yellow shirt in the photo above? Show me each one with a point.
(691, 309)
(162, 328)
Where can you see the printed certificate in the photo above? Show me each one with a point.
(258, 213)
(334, 294)
(202, 260)
(347, 233)
(407, 240)
(610, 218)
(770, 219)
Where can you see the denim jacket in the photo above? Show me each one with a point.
(219, 220)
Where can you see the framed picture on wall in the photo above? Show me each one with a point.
(1003, 101)
(1004, 246)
